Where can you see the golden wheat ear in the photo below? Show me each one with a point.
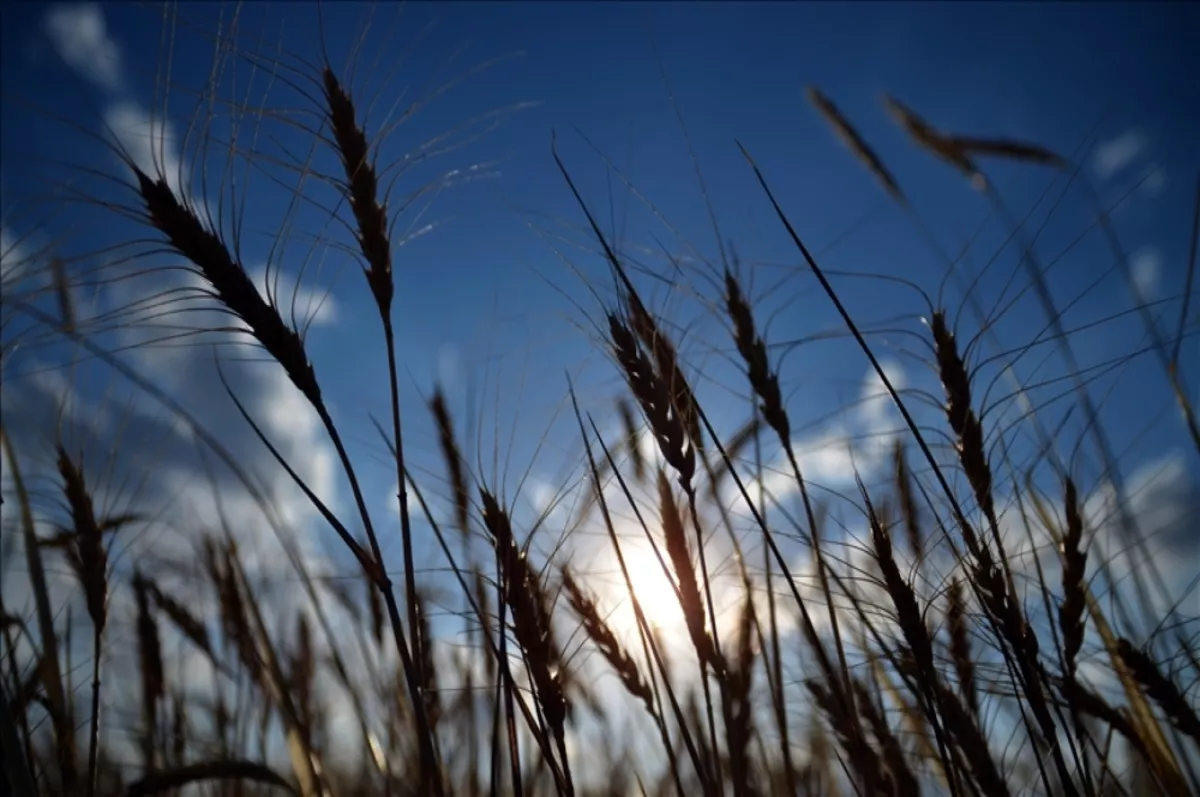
(190, 237)
(864, 761)
(908, 612)
(362, 188)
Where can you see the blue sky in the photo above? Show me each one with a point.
(480, 299)
(484, 286)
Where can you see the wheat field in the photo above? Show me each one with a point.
(863, 464)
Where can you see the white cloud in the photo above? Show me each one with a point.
(825, 457)
(52, 383)
(1020, 395)
(543, 498)
(878, 417)
(1146, 271)
(862, 441)
(308, 305)
(1115, 154)
(1160, 498)
(876, 403)
(12, 258)
(286, 414)
(150, 143)
(79, 34)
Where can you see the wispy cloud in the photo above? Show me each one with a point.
(1116, 154)
(309, 305)
(80, 37)
(859, 442)
(1146, 268)
(148, 142)
(449, 366)
(1159, 497)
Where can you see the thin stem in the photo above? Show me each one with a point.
(94, 735)
(410, 582)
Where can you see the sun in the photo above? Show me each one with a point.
(655, 592)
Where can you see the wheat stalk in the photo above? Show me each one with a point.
(1160, 688)
(863, 761)
(855, 142)
(606, 642)
(970, 739)
(655, 400)
(182, 618)
(90, 562)
(228, 279)
(531, 623)
(903, 781)
(960, 645)
(739, 719)
(150, 656)
(908, 504)
(679, 553)
(1071, 617)
(429, 683)
(629, 430)
(453, 459)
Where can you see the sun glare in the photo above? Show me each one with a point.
(654, 591)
